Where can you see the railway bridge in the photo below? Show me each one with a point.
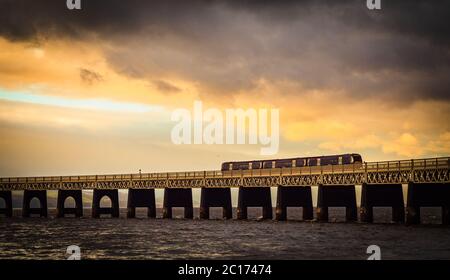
(428, 183)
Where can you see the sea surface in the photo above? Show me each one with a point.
(144, 238)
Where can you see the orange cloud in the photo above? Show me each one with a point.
(312, 121)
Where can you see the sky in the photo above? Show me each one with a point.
(92, 91)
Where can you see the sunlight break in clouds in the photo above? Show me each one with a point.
(91, 104)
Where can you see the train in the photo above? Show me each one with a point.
(293, 162)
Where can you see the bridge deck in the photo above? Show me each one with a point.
(431, 170)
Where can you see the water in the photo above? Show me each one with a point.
(143, 238)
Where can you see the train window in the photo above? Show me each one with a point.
(346, 159)
(340, 160)
(283, 163)
(357, 158)
(255, 165)
(312, 162)
(293, 163)
(331, 160)
(241, 165)
(318, 161)
(300, 162)
(225, 166)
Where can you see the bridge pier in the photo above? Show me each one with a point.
(7, 197)
(141, 198)
(178, 197)
(28, 195)
(388, 195)
(62, 196)
(295, 196)
(215, 197)
(254, 197)
(113, 195)
(427, 195)
(337, 196)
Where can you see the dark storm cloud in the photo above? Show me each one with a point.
(402, 51)
(166, 86)
(89, 76)
(21, 19)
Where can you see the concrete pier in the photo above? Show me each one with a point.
(178, 197)
(254, 197)
(215, 197)
(337, 196)
(386, 195)
(141, 198)
(7, 197)
(427, 195)
(77, 195)
(28, 195)
(295, 196)
(113, 195)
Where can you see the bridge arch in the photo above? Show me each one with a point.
(105, 201)
(70, 202)
(33, 198)
(108, 205)
(6, 203)
(35, 202)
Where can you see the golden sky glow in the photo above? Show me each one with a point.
(96, 104)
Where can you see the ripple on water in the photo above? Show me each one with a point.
(218, 239)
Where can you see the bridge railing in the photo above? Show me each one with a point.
(382, 166)
(414, 164)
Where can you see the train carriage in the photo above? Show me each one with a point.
(293, 162)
